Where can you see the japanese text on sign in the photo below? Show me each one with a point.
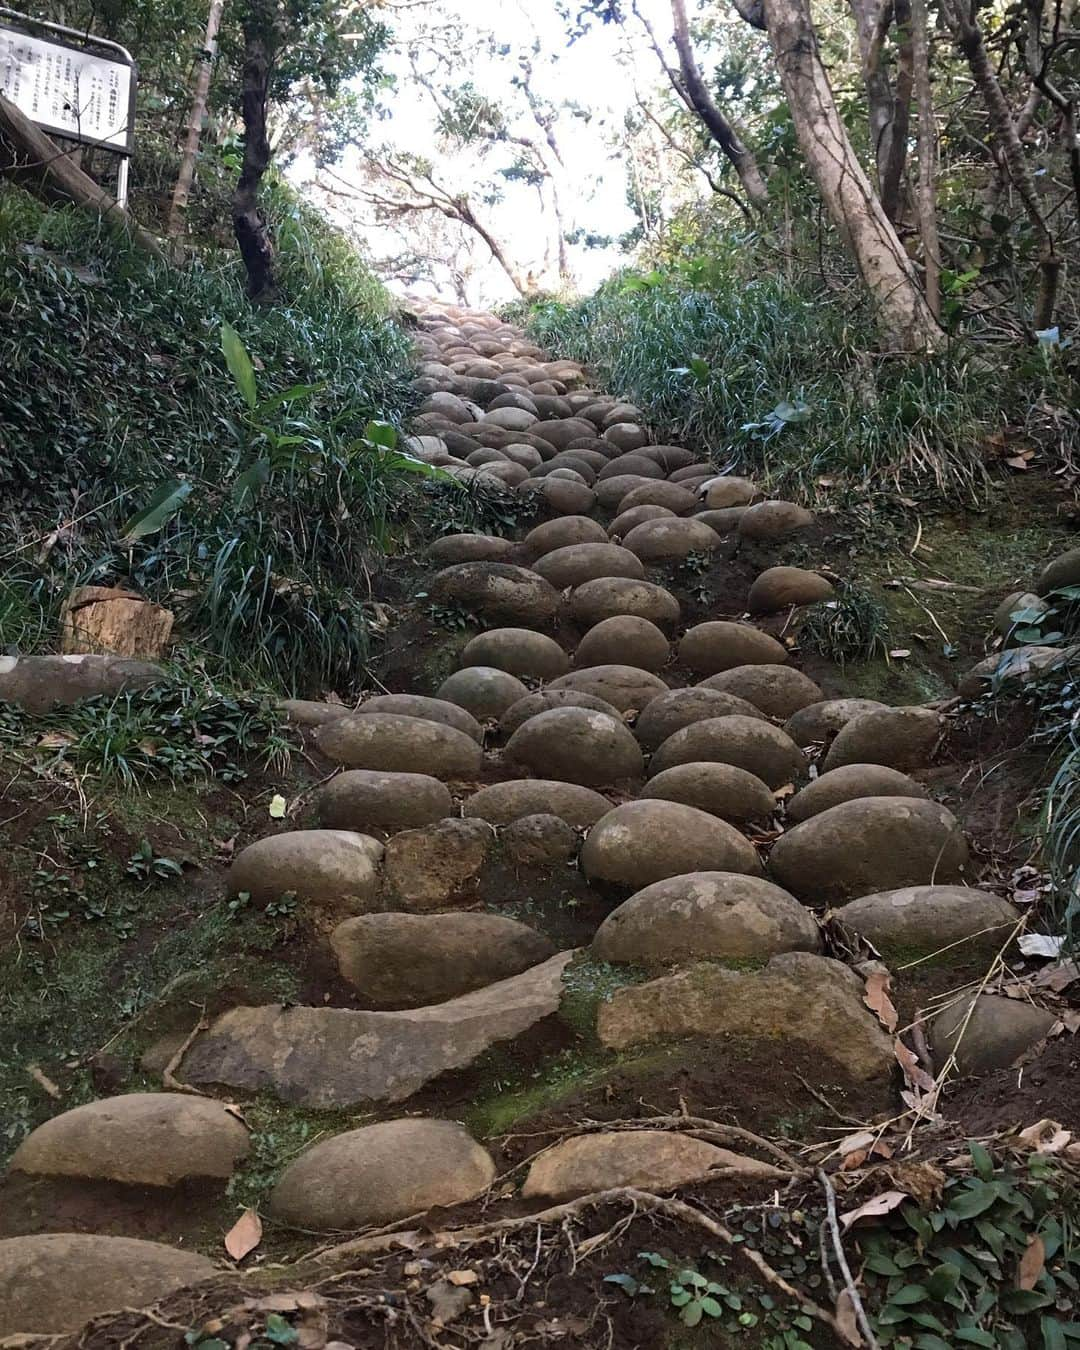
(70, 92)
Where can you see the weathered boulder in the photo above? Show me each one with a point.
(778, 587)
(640, 465)
(332, 1057)
(916, 921)
(637, 515)
(801, 997)
(396, 744)
(410, 960)
(718, 494)
(608, 597)
(848, 783)
(585, 562)
(1063, 570)
(625, 435)
(381, 1173)
(675, 496)
(519, 651)
(720, 789)
(38, 683)
(680, 708)
(724, 521)
(333, 873)
(1019, 602)
(307, 712)
(773, 520)
(871, 844)
(560, 431)
(55, 1282)
(1016, 666)
(624, 687)
(437, 865)
(665, 540)
(461, 548)
(992, 1035)
(611, 491)
(779, 691)
(821, 721)
(902, 738)
(564, 532)
(141, 1138)
(718, 645)
(650, 1160)
(427, 709)
(576, 745)
(366, 800)
(502, 803)
(624, 638)
(645, 841)
(562, 495)
(500, 592)
(706, 916)
(749, 743)
(511, 419)
(483, 691)
(539, 841)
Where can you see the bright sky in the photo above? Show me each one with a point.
(587, 72)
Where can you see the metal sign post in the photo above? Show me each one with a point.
(71, 84)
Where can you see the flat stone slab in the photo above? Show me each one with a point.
(38, 683)
(338, 1057)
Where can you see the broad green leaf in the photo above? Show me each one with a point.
(381, 433)
(1020, 1301)
(280, 1331)
(711, 1308)
(928, 1341)
(880, 1264)
(691, 1314)
(941, 1282)
(296, 394)
(626, 1283)
(239, 363)
(974, 1336)
(1053, 1333)
(909, 1293)
(974, 1200)
(164, 503)
(984, 1164)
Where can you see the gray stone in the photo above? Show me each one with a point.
(391, 743)
(500, 592)
(576, 745)
(920, 920)
(437, 865)
(333, 873)
(544, 700)
(674, 496)
(778, 691)
(670, 540)
(539, 841)
(996, 1034)
(502, 803)
(561, 495)
(410, 960)
(332, 1057)
(38, 683)
(645, 841)
(460, 548)
(719, 645)
(722, 790)
(579, 563)
(749, 743)
(680, 708)
(848, 783)
(305, 712)
(563, 533)
(439, 710)
(607, 597)
(1016, 666)
(902, 738)
(778, 587)
(381, 1173)
(366, 800)
(706, 916)
(773, 520)
(519, 651)
(637, 515)
(821, 721)
(483, 691)
(1017, 603)
(624, 687)
(719, 494)
(624, 638)
(1063, 570)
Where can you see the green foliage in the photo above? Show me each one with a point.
(853, 627)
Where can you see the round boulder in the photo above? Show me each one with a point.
(680, 708)
(461, 548)
(1063, 570)
(902, 738)
(500, 592)
(502, 803)
(625, 435)
(721, 789)
(724, 521)
(562, 495)
(544, 700)
(917, 921)
(519, 651)
(607, 597)
(821, 721)
(585, 562)
(380, 1173)
(778, 691)
(706, 916)
(637, 515)
(667, 539)
(749, 743)
(709, 648)
(624, 687)
(576, 745)
(563, 533)
(720, 493)
(483, 691)
(778, 587)
(141, 1138)
(427, 709)
(335, 871)
(847, 784)
(611, 491)
(412, 960)
(396, 744)
(636, 464)
(868, 845)
(773, 520)
(626, 638)
(366, 800)
(672, 495)
(988, 1032)
(539, 841)
(645, 841)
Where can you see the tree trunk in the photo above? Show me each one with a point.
(886, 270)
(184, 178)
(249, 222)
(889, 110)
(927, 194)
(464, 213)
(695, 94)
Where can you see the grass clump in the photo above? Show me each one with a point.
(853, 627)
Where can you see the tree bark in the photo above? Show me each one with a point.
(695, 94)
(184, 178)
(249, 222)
(889, 109)
(29, 156)
(886, 270)
(927, 193)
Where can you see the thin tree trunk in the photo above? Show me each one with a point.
(927, 194)
(872, 21)
(184, 178)
(886, 270)
(895, 150)
(249, 222)
(695, 94)
(464, 213)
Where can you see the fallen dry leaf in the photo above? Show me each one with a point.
(1017, 462)
(878, 1001)
(460, 1277)
(881, 1204)
(1045, 1136)
(914, 1072)
(55, 740)
(1031, 1263)
(244, 1236)
(846, 1322)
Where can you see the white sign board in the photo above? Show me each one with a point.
(71, 92)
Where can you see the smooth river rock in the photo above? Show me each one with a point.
(576, 745)
(395, 744)
(645, 841)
